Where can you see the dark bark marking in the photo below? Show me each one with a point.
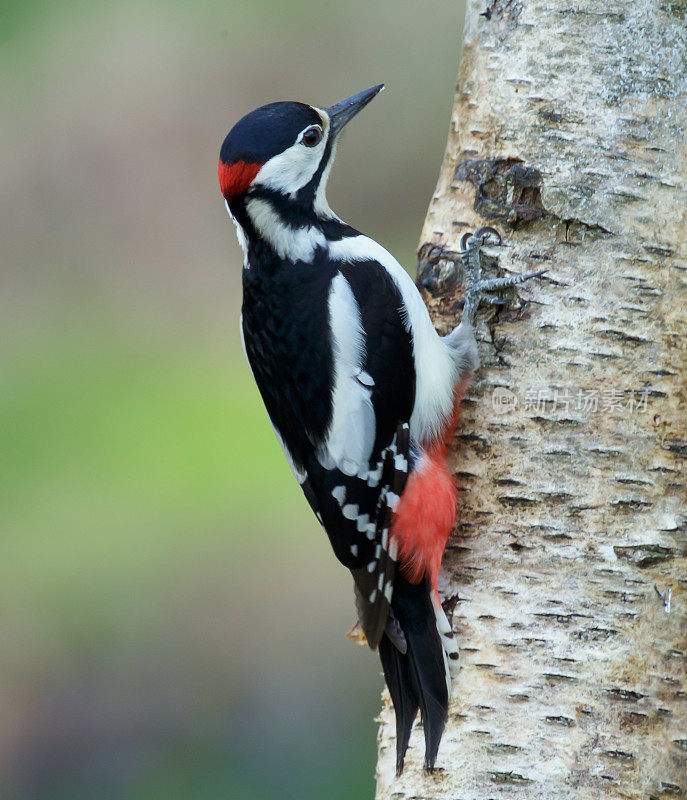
(645, 555)
(506, 189)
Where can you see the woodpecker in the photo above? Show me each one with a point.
(362, 392)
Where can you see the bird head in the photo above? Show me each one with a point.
(287, 148)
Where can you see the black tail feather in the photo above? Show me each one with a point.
(416, 679)
(402, 688)
(433, 701)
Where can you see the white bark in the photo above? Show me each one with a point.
(568, 134)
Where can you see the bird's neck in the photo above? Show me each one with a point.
(271, 222)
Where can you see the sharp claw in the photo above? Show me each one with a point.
(534, 274)
(483, 233)
(470, 248)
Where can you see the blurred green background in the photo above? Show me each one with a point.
(171, 617)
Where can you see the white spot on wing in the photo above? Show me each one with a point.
(362, 523)
(350, 511)
(374, 476)
(339, 494)
(365, 378)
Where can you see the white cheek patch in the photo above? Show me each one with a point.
(291, 170)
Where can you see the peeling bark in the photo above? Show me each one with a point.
(566, 575)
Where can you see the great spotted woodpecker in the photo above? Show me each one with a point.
(362, 392)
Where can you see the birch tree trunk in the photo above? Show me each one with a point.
(567, 571)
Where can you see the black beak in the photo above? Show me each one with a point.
(344, 111)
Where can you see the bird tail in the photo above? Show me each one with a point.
(418, 652)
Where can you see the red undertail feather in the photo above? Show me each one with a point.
(234, 179)
(426, 512)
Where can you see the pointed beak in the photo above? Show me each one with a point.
(344, 111)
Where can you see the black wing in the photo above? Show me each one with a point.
(285, 314)
(356, 510)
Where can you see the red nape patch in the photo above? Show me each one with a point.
(234, 179)
(426, 512)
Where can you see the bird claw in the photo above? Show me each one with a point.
(493, 299)
(479, 289)
(485, 235)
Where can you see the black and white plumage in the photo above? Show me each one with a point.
(359, 388)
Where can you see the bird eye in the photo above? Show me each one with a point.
(312, 136)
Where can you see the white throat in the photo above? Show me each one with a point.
(321, 206)
(294, 244)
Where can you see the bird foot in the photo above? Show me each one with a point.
(355, 634)
(479, 289)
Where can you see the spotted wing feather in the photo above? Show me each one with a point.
(374, 582)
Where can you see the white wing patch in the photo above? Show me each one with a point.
(351, 434)
(435, 367)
